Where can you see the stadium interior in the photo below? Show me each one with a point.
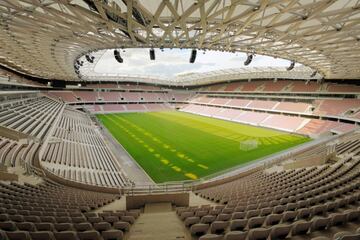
(240, 153)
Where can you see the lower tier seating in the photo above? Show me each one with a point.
(51, 211)
(283, 204)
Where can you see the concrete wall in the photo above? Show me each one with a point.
(5, 176)
(138, 201)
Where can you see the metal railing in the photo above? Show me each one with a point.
(170, 187)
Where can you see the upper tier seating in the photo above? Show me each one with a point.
(336, 107)
(78, 152)
(278, 86)
(122, 86)
(255, 104)
(110, 96)
(260, 104)
(66, 96)
(286, 123)
(33, 117)
(86, 96)
(343, 88)
(276, 121)
(281, 86)
(293, 107)
(344, 107)
(302, 87)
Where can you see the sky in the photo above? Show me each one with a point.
(173, 62)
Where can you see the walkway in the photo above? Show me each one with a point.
(158, 221)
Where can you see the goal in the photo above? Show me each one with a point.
(248, 145)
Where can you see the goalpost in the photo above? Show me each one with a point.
(248, 145)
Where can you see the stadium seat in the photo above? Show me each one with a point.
(112, 235)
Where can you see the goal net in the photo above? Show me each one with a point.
(248, 145)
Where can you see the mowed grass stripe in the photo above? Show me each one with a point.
(172, 146)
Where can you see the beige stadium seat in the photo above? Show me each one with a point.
(223, 217)
(235, 235)
(279, 209)
(238, 224)
(273, 219)
(353, 215)
(317, 210)
(252, 213)
(331, 206)
(320, 223)
(238, 215)
(266, 211)
(78, 220)
(218, 226)
(201, 213)
(42, 235)
(45, 226)
(300, 227)
(256, 222)
(129, 219)
(304, 213)
(228, 210)
(89, 235)
(102, 226)
(289, 216)
(185, 215)
(259, 234)
(111, 219)
(81, 227)
(291, 207)
(47, 219)
(279, 231)
(66, 235)
(18, 235)
(208, 219)
(199, 228)
(26, 226)
(211, 237)
(17, 218)
(60, 227)
(191, 221)
(123, 226)
(112, 235)
(8, 226)
(95, 219)
(338, 219)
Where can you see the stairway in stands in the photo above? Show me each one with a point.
(158, 220)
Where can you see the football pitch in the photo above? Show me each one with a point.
(173, 146)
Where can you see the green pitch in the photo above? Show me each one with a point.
(172, 146)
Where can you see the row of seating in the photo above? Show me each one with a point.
(33, 117)
(93, 96)
(77, 151)
(281, 86)
(105, 108)
(327, 107)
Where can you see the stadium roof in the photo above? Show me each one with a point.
(45, 38)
